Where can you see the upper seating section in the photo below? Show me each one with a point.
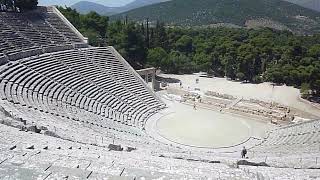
(37, 31)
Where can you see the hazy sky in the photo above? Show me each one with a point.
(71, 2)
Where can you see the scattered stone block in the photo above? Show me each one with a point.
(247, 163)
(30, 147)
(13, 147)
(214, 162)
(22, 128)
(50, 133)
(129, 149)
(43, 128)
(113, 147)
(34, 129)
(23, 121)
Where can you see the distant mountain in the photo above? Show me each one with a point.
(276, 14)
(140, 3)
(310, 4)
(85, 7)
(110, 3)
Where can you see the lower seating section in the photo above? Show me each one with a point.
(296, 146)
(89, 129)
(35, 156)
(104, 58)
(291, 139)
(70, 81)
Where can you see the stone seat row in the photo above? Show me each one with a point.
(92, 125)
(300, 138)
(78, 160)
(100, 54)
(43, 81)
(31, 97)
(88, 69)
(59, 25)
(57, 158)
(19, 31)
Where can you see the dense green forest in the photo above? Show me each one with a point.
(239, 54)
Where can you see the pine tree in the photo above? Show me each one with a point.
(148, 34)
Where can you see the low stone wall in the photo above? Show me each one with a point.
(3, 60)
(224, 96)
(57, 48)
(24, 53)
(80, 45)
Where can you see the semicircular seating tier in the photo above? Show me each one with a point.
(78, 82)
(35, 32)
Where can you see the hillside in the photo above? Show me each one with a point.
(85, 7)
(140, 3)
(238, 12)
(311, 4)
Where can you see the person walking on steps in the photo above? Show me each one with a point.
(244, 152)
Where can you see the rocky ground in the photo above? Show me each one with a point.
(279, 99)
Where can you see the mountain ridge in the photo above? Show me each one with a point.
(238, 12)
(311, 4)
(85, 7)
